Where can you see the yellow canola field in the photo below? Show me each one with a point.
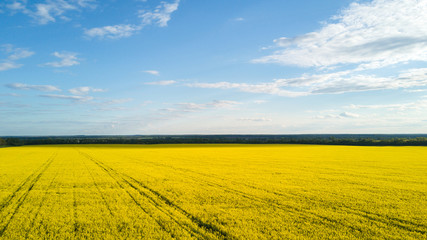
(213, 192)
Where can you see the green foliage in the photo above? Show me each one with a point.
(14, 142)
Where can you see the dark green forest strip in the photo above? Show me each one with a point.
(321, 139)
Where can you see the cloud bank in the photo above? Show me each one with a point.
(372, 35)
(351, 51)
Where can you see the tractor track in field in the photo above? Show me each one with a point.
(184, 170)
(75, 217)
(159, 201)
(207, 226)
(107, 205)
(396, 222)
(23, 197)
(386, 220)
(39, 207)
(9, 199)
(116, 176)
(129, 194)
(286, 208)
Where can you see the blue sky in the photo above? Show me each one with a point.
(72, 67)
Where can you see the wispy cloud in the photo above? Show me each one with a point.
(85, 90)
(152, 72)
(68, 59)
(68, 97)
(267, 88)
(22, 86)
(342, 115)
(178, 109)
(417, 105)
(222, 104)
(117, 101)
(329, 83)
(263, 119)
(13, 54)
(113, 32)
(160, 17)
(49, 10)
(349, 115)
(16, 5)
(416, 90)
(9, 65)
(16, 53)
(161, 83)
(364, 36)
(191, 107)
(9, 95)
(373, 35)
(216, 104)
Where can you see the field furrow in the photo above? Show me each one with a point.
(37, 210)
(161, 204)
(26, 188)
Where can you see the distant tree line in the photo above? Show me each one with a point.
(11, 142)
(323, 139)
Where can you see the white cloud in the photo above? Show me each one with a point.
(69, 97)
(20, 54)
(364, 36)
(372, 35)
(13, 54)
(416, 90)
(222, 104)
(239, 19)
(161, 83)
(113, 32)
(152, 72)
(10, 95)
(84, 90)
(9, 65)
(417, 105)
(160, 16)
(263, 119)
(342, 115)
(194, 107)
(68, 59)
(16, 53)
(49, 10)
(117, 101)
(267, 88)
(191, 106)
(349, 115)
(46, 12)
(16, 6)
(329, 83)
(22, 86)
(86, 3)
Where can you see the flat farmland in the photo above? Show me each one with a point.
(213, 192)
